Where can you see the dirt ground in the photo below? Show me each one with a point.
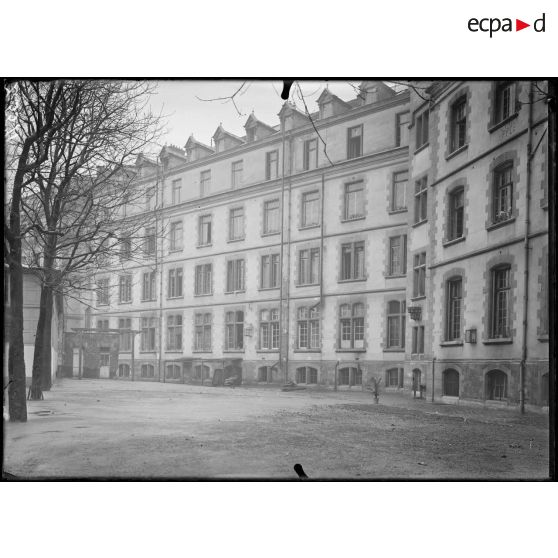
(106, 428)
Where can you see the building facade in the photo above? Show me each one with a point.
(321, 250)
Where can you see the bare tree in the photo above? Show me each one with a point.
(74, 208)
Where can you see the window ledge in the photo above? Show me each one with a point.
(359, 218)
(125, 351)
(420, 148)
(416, 298)
(395, 276)
(147, 352)
(107, 304)
(352, 280)
(397, 211)
(306, 227)
(453, 241)
(233, 240)
(394, 350)
(148, 300)
(204, 245)
(493, 226)
(233, 350)
(202, 294)
(235, 292)
(125, 302)
(273, 233)
(456, 343)
(177, 351)
(419, 223)
(297, 285)
(494, 126)
(457, 152)
(175, 250)
(543, 338)
(307, 350)
(269, 288)
(181, 297)
(350, 350)
(267, 350)
(499, 341)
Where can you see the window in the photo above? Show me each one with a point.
(236, 174)
(147, 371)
(271, 217)
(102, 325)
(496, 385)
(308, 328)
(396, 324)
(399, 191)
(450, 382)
(354, 201)
(351, 326)
(310, 154)
(394, 378)
(270, 271)
(265, 374)
(503, 107)
(456, 214)
(176, 191)
(235, 275)
(175, 283)
(458, 124)
(397, 255)
(148, 286)
(402, 131)
(149, 199)
(203, 284)
(234, 330)
(306, 375)
(148, 329)
(309, 266)
(502, 201)
(125, 248)
(202, 332)
(205, 183)
(149, 245)
(418, 340)
(174, 332)
(125, 325)
(500, 311)
(271, 165)
(419, 275)
(354, 142)
(104, 356)
(269, 329)
(421, 124)
(352, 261)
(125, 288)
(310, 209)
(102, 292)
(201, 372)
(454, 309)
(421, 197)
(123, 370)
(174, 371)
(176, 235)
(204, 230)
(236, 223)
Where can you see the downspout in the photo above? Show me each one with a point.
(530, 154)
(335, 376)
(322, 242)
(281, 284)
(288, 298)
(160, 260)
(433, 365)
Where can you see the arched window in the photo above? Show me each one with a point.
(350, 376)
(123, 370)
(308, 327)
(496, 385)
(147, 371)
(351, 326)
(450, 382)
(456, 203)
(394, 377)
(396, 324)
(201, 372)
(266, 373)
(306, 375)
(173, 371)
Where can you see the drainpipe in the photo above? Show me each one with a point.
(281, 283)
(530, 154)
(160, 260)
(322, 242)
(433, 365)
(288, 285)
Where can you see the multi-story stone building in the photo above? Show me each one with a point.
(304, 251)
(478, 242)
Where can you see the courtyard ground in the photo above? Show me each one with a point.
(107, 428)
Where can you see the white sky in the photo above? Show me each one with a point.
(186, 114)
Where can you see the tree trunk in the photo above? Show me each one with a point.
(42, 355)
